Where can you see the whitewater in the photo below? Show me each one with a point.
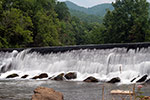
(103, 64)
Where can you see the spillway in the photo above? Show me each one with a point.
(103, 64)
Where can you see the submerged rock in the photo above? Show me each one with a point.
(59, 77)
(12, 75)
(71, 75)
(142, 79)
(148, 81)
(42, 93)
(91, 79)
(41, 76)
(114, 80)
(51, 77)
(133, 79)
(25, 76)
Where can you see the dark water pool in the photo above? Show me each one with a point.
(23, 89)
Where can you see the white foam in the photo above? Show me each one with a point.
(102, 64)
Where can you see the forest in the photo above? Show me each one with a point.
(38, 23)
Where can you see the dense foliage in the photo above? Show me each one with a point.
(86, 17)
(128, 22)
(28, 23)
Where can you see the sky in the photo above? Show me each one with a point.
(90, 3)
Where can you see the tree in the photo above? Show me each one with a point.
(62, 11)
(128, 22)
(47, 34)
(66, 33)
(79, 30)
(95, 34)
(45, 23)
(14, 28)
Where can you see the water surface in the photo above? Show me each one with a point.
(23, 89)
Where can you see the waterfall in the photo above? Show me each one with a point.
(102, 64)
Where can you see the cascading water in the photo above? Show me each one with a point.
(103, 64)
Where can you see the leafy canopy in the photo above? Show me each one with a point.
(128, 22)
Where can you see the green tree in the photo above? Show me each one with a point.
(14, 28)
(62, 11)
(66, 34)
(79, 29)
(47, 34)
(95, 34)
(128, 22)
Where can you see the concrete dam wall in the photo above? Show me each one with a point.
(56, 49)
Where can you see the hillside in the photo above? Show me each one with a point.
(86, 17)
(99, 10)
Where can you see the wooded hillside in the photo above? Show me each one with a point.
(36, 23)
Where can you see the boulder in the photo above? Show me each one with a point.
(43, 93)
(12, 75)
(59, 77)
(41, 76)
(91, 79)
(114, 80)
(148, 81)
(146, 98)
(51, 77)
(133, 79)
(35, 77)
(25, 76)
(142, 79)
(71, 75)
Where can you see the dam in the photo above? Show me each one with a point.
(101, 61)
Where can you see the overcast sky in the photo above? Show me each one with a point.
(90, 3)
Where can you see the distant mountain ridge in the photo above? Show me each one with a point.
(98, 10)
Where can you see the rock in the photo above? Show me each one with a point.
(71, 75)
(12, 76)
(142, 79)
(25, 76)
(132, 79)
(91, 79)
(148, 81)
(41, 76)
(146, 98)
(42, 93)
(35, 77)
(59, 77)
(51, 77)
(135, 78)
(114, 80)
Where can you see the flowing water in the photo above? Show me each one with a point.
(102, 64)
(23, 89)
